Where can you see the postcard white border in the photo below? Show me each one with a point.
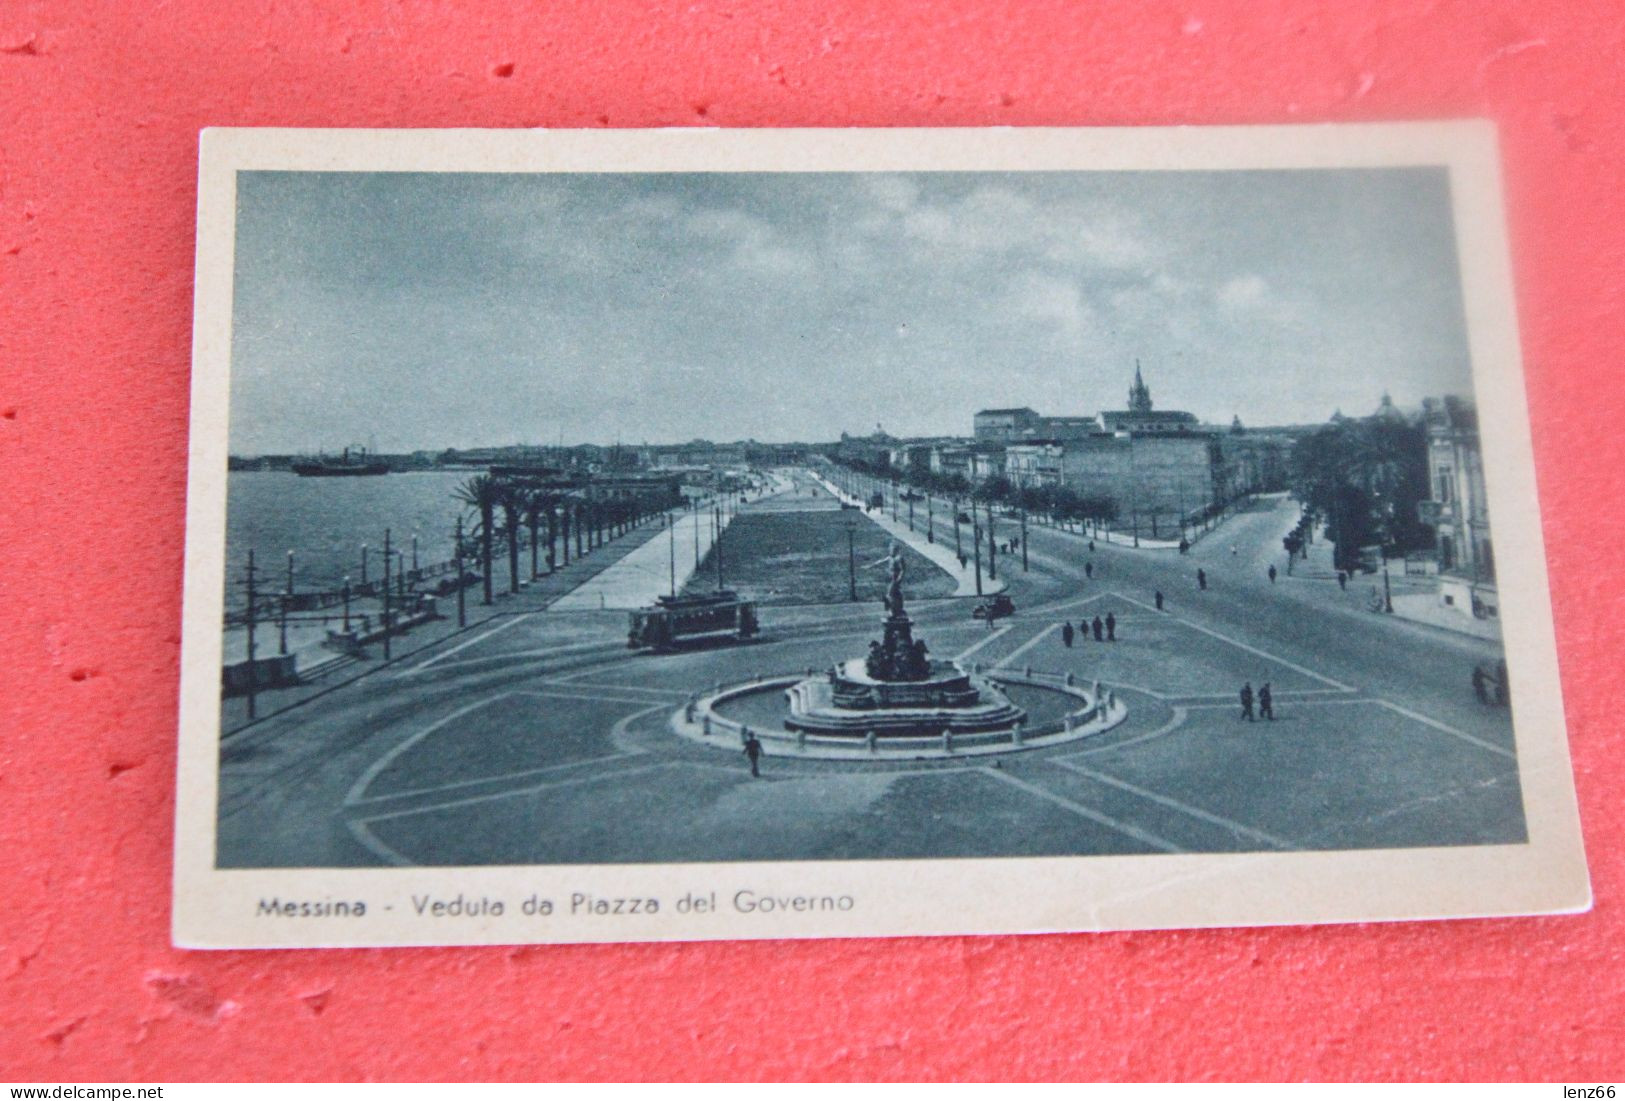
(214, 908)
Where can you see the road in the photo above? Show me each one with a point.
(540, 738)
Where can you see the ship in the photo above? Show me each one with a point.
(354, 463)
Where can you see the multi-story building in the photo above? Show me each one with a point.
(998, 425)
(987, 464)
(948, 460)
(1141, 417)
(1159, 482)
(1034, 464)
(1459, 508)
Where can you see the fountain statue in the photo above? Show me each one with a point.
(897, 689)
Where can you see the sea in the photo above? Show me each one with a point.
(325, 521)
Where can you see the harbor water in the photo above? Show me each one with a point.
(325, 521)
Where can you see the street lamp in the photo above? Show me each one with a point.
(851, 562)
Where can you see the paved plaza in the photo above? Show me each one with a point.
(538, 738)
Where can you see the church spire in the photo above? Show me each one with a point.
(1139, 395)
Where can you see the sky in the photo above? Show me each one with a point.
(433, 310)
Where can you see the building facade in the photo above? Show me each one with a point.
(1035, 464)
(1000, 425)
(1459, 508)
(1159, 482)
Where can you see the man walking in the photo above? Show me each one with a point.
(1481, 684)
(1159, 600)
(1247, 701)
(1201, 580)
(1089, 570)
(753, 750)
(1099, 629)
(1343, 580)
(1111, 627)
(1266, 703)
(1066, 634)
(1272, 575)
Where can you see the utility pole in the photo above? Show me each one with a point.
(253, 672)
(1023, 538)
(386, 594)
(718, 549)
(851, 564)
(344, 595)
(930, 521)
(976, 546)
(282, 618)
(671, 539)
(363, 565)
(992, 548)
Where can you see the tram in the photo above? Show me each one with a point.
(673, 618)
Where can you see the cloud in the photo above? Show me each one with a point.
(1243, 292)
(754, 245)
(1057, 303)
(892, 193)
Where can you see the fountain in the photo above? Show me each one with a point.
(897, 689)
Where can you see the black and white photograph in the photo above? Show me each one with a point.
(682, 534)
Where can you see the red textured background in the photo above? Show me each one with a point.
(100, 105)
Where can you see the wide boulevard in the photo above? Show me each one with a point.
(537, 737)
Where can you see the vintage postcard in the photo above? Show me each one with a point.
(686, 534)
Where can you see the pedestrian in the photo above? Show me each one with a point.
(1481, 684)
(1503, 688)
(1232, 550)
(1066, 635)
(1099, 628)
(1111, 627)
(1201, 580)
(1247, 701)
(1089, 570)
(1091, 546)
(1266, 703)
(1159, 600)
(1184, 544)
(961, 559)
(1272, 575)
(1343, 580)
(753, 750)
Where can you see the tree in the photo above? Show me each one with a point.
(482, 492)
(996, 488)
(539, 503)
(511, 499)
(1366, 478)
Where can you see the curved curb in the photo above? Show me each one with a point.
(698, 721)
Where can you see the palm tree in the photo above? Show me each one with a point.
(512, 501)
(536, 500)
(482, 492)
(551, 504)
